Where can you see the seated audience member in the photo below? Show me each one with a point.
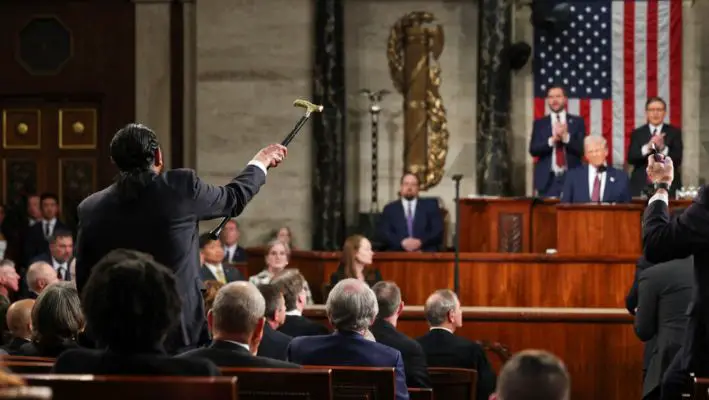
(351, 309)
(131, 302)
(9, 285)
(213, 269)
(384, 331)
(274, 343)
(664, 294)
(47, 227)
(229, 238)
(445, 349)
(411, 223)
(40, 275)
(595, 182)
(285, 235)
(211, 287)
(57, 321)
(60, 255)
(356, 260)
(533, 375)
(19, 323)
(277, 255)
(236, 321)
(292, 284)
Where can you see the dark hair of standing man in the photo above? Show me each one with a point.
(130, 301)
(135, 150)
(533, 375)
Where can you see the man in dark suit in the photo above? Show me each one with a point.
(60, 254)
(157, 212)
(595, 182)
(557, 143)
(274, 344)
(292, 284)
(666, 238)
(351, 308)
(631, 304)
(665, 291)
(36, 241)
(212, 268)
(130, 302)
(411, 223)
(236, 321)
(444, 349)
(384, 331)
(667, 140)
(233, 253)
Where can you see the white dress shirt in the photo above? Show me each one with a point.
(660, 196)
(244, 345)
(405, 203)
(213, 268)
(296, 312)
(61, 268)
(592, 171)
(260, 165)
(646, 147)
(52, 222)
(441, 328)
(562, 116)
(230, 252)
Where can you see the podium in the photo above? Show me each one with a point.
(591, 229)
(495, 225)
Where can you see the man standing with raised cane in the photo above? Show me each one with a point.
(665, 239)
(157, 212)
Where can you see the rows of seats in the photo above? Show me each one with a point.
(311, 382)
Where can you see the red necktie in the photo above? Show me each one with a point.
(596, 195)
(560, 154)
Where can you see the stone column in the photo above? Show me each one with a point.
(328, 188)
(494, 166)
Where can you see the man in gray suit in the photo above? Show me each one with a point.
(664, 293)
(157, 212)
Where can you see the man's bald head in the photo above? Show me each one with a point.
(40, 275)
(237, 309)
(19, 318)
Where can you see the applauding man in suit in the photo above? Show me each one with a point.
(667, 140)
(557, 142)
(595, 182)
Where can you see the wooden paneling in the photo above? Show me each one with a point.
(486, 279)
(599, 346)
(599, 229)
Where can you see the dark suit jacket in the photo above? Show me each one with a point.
(576, 187)
(411, 351)
(444, 349)
(13, 346)
(33, 350)
(105, 362)
(274, 344)
(47, 257)
(238, 256)
(427, 225)
(230, 273)
(35, 243)
(163, 223)
(665, 239)
(539, 147)
(227, 354)
(348, 349)
(665, 291)
(296, 325)
(640, 137)
(631, 303)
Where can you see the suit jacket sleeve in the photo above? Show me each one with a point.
(417, 369)
(576, 137)
(386, 230)
(631, 300)
(646, 316)
(625, 187)
(434, 234)
(666, 238)
(567, 192)
(676, 147)
(211, 201)
(486, 376)
(402, 391)
(635, 154)
(539, 144)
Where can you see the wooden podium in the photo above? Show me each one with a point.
(587, 229)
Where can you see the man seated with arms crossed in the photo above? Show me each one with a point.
(533, 375)
(595, 182)
(411, 223)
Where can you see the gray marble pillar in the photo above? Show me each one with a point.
(494, 167)
(329, 127)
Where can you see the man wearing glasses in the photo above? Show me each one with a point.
(667, 140)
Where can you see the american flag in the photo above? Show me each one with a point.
(612, 57)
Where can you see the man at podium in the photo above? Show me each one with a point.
(596, 182)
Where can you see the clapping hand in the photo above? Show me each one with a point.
(660, 171)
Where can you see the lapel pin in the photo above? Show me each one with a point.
(612, 179)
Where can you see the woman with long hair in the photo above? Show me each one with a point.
(356, 262)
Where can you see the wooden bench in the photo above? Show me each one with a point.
(27, 358)
(29, 367)
(282, 383)
(420, 394)
(701, 389)
(91, 387)
(366, 383)
(26, 393)
(454, 383)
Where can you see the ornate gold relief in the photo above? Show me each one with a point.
(21, 129)
(413, 52)
(77, 128)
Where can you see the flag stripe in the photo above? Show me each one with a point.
(675, 61)
(607, 116)
(629, 68)
(618, 83)
(596, 118)
(640, 63)
(651, 48)
(663, 55)
(584, 110)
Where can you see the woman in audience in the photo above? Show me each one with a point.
(356, 260)
(285, 235)
(277, 255)
(57, 321)
(131, 302)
